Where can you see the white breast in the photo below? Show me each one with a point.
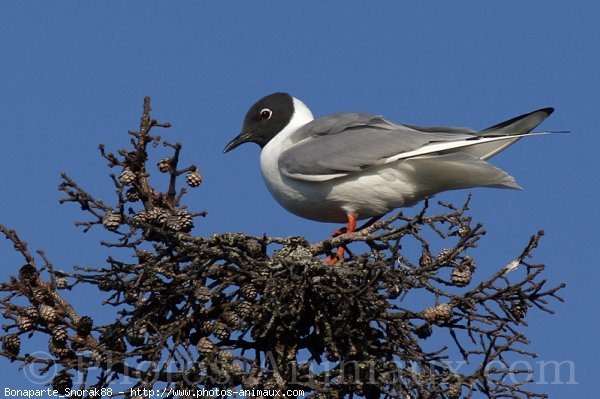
(269, 156)
(290, 195)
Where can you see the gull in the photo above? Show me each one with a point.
(351, 166)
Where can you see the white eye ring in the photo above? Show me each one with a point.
(265, 113)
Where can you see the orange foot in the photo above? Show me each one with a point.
(350, 228)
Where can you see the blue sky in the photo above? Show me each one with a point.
(73, 75)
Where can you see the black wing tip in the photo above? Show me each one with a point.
(548, 110)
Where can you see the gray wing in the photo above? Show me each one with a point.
(340, 144)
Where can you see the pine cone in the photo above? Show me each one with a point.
(225, 357)
(469, 262)
(84, 326)
(461, 275)
(221, 331)
(38, 296)
(232, 319)
(180, 220)
(157, 215)
(32, 313)
(205, 346)
(60, 334)
(244, 309)
(24, 323)
(112, 221)
(518, 310)
(248, 291)
(62, 382)
(424, 331)
(127, 176)
(441, 312)
(59, 349)
(454, 388)
(28, 274)
(165, 165)
(132, 194)
(202, 293)
(235, 369)
(193, 178)
(11, 343)
(48, 314)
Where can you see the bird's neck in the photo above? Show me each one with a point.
(302, 114)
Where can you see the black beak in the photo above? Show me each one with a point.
(242, 138)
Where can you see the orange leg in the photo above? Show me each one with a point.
(350, 228)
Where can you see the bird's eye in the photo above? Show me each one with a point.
(265, 114)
